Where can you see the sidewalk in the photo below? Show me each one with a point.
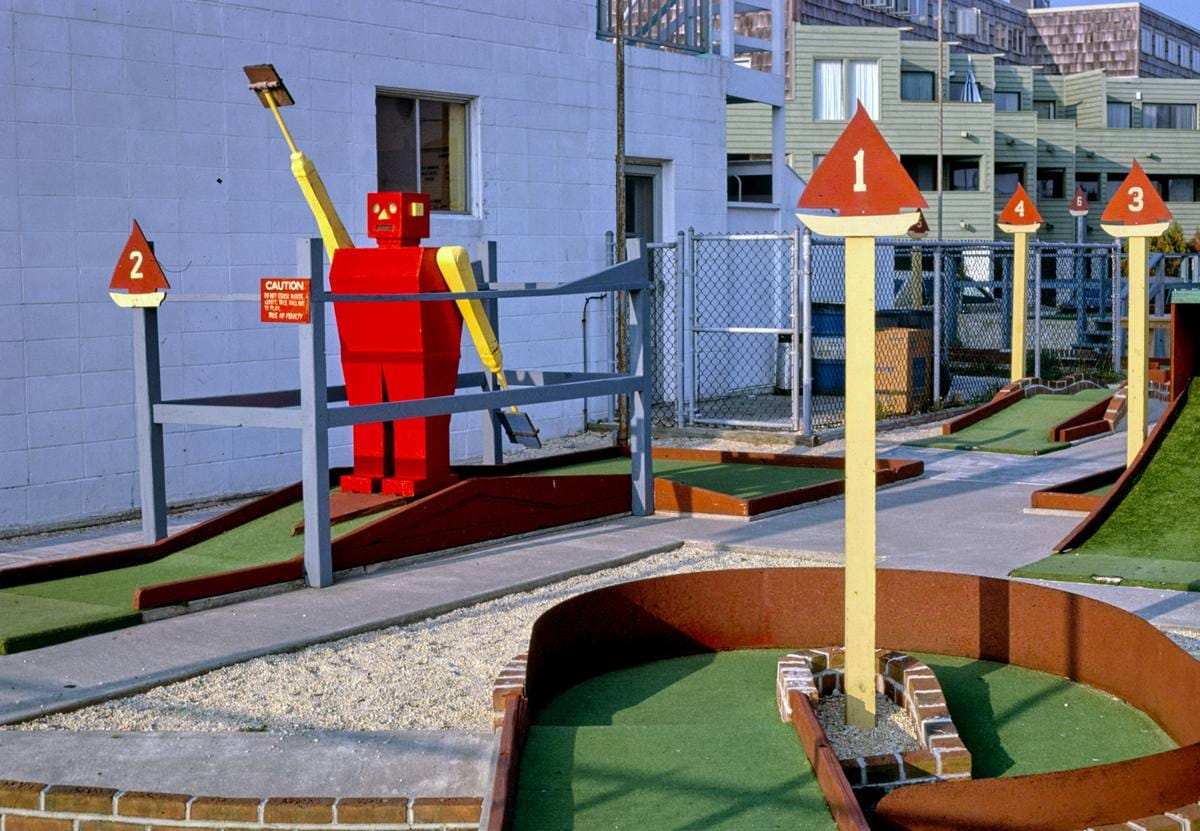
(966, 515)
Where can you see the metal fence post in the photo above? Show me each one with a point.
(937, 322)
(147, 391)
(641, 364)
(806, 275)
(690, 300)
(314, 416)
(491, 443)
(680, 329)
(1037, 312)
(1116, 306)
(794, 348)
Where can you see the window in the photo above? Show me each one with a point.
(421, 146)
(817, 159)
(1051, 183)
(1196, 60)
(1185, 55)
(1160, 45)
(1148, 41)
(1114, 184)
(838, 85)
(922, 170)
(1046, 109)
(1169, 116)
(1008, 102)
(1018, 41)
(956, 90)
(1090, 182)
(962, 173)
(1181, 189)
(1008, 176)
(1000, 36)
(967, 22)
(916, 86)
(1172, 51)
(1120, 115)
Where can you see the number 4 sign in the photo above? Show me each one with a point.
(138, 274)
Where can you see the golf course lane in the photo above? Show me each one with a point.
(686, 743)
(1017, 721)
(53, 611)
(744, 481)
(1151, 538)
(1023, 428)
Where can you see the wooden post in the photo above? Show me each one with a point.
(863, 181)
(1020, 218)
(860, 482)
(1137, 213)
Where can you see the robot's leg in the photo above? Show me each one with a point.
(364, 385)
(421, 447)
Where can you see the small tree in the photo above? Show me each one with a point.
(1171, 242)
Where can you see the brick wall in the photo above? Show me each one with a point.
(111, 110)
(29, 806)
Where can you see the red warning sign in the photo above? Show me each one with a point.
(138, 274)
(1136, 203)
(1079, 205)
(285, 299)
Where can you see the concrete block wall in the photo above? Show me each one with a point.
(112, 109)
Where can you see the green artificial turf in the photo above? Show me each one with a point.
(1152, 538)
(687, 743)
(741, 480)
(1017, 721)
(1023, 428)
(59, 610)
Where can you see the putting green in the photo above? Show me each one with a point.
(1023, 428)
(1017, 721)
(686, 743)
(54, 611)
(1151, 537)
(741, 480)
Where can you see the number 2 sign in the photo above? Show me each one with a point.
(138, 279)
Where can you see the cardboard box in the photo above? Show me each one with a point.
(903, 370)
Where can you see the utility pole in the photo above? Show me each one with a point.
(940, 84)
(619, 254)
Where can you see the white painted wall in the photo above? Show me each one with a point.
(111, 110)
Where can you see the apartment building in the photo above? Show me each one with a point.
(1049, 132)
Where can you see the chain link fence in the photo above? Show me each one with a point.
(749, 329)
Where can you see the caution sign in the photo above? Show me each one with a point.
(284, 300)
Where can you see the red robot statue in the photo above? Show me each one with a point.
(397, 351)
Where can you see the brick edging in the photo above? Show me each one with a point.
(35, 806)
(1184, 818)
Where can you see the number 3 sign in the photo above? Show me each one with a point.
(1136, 209)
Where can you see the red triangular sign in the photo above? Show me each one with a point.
(138, 271)
(921, 228)
(1079, 205)
(1020, 209)
(861, 176)
(1136, 202)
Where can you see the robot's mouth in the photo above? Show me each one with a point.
(383, 227)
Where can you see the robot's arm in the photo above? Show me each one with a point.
(455, 266)
(333, 232)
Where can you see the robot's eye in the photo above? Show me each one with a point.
(375, 208)
(392, 207)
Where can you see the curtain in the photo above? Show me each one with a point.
(828, 97)
(864, 86)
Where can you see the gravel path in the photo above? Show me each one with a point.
(435, 674)
(895, 731)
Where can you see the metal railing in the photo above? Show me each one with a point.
(683, 25)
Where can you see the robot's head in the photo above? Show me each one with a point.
(398, 218)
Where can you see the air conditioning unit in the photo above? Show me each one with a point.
(879, 5)
(901, 8)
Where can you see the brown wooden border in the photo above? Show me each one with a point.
(1002, 400)
(975, 617)
(1073, 495)
(1089, 422)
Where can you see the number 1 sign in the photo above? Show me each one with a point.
(1137, 213)
(871, 194)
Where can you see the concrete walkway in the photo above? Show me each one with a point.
(966, 515)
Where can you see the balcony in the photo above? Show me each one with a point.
(680, 25)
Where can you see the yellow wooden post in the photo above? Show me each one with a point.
(860, 482)
(1138, 350)
(1019, 305)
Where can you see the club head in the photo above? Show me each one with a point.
(520, 429)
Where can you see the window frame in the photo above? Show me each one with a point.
(996, 100)
(964, 163)
(932, 76)
(469, 140)
(1128, 107)
(1053, 108)
(847, 103)
(1171, 108)
(1006, 169)
(1058, 177)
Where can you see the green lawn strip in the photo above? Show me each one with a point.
(1079, 567)
(687, 743)
(1021, 429)
(58, 610)
(1157, 518)
(740, 480)
(1100, 491)
(1017, 721)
